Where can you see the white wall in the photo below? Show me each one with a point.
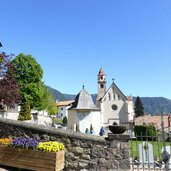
(63, 111)
(109, 115)
(84, 119)
(72, 119)
(42, 117)
(125, 108)
(130, 110)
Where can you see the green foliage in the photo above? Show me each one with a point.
(47, 102)
(56, 121)
(27, 69)
(25, 113)
(32, 90)
(143, 132)
(139, 109)
(28, 74)
(50, 105)
(65, 120)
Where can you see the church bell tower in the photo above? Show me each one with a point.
(101, 83)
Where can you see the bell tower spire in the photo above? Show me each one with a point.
(101, 84)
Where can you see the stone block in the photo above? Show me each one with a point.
(119, 137)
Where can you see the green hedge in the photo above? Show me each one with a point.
(144, 132)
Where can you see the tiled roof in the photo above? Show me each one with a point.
(152, 119)
(64, 103)
(101, 72)
(84, 101)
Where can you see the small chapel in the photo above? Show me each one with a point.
(111, 106)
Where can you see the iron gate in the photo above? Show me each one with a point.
(151, 152)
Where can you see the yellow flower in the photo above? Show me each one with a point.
(51, 146)
(5, 141)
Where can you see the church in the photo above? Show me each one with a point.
(111, 106)
(114, 105)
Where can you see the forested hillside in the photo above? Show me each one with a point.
(152, 105)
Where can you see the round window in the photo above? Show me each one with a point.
(114, 107)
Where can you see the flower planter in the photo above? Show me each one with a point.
(117, 129)
(30, 159)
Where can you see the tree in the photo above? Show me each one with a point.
(139, 109)
(28, 74)
(48, 103)
(65, 121)
(25, 113)
(9, 88)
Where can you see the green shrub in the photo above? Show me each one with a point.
(145, 132)
(56, 121)
(65, 120)
(25, 113)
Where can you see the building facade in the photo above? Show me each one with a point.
(63, 107)
(114, 105)
(84, 114)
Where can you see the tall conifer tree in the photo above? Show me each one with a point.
(139, 109)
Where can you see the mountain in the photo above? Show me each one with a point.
(152, 105)
(60, 96)
(156, 105)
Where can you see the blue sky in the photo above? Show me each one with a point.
(72, 39)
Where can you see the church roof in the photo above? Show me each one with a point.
(84, 101)
(121, 93)
(101, 72)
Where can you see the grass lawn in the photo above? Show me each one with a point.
(157, 148)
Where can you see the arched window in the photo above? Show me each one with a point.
(109, 96)
(113, 96)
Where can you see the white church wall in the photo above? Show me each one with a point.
(113, 97)
(84, 119)
(110, 115)
(123, 114)
(72, 119)
(96, 117)
(130, 110)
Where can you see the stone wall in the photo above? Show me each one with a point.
(82, 151)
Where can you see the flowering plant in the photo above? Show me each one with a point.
(32, 143)
(51, 146)
(5, 141)
(22, 142)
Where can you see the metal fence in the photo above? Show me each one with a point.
(151, 152)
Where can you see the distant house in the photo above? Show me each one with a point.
(63, 107)
(83, 113)
(154, 120)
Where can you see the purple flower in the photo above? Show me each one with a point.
(22, 142)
